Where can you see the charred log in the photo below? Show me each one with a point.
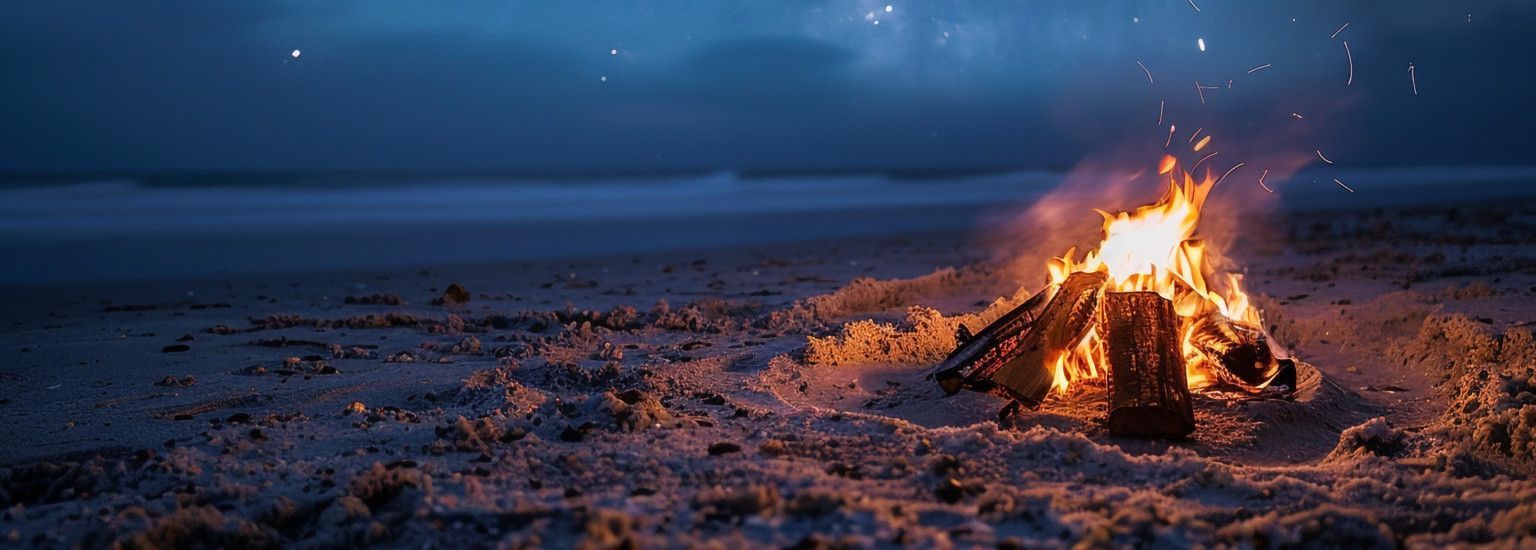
(1148, 392)
(1285, 375)
(1027, 376)
(985, 351)
(1242, 351)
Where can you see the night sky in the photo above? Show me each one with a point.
(644, 86)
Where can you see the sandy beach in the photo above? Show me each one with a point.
(780, 275)
(768, 395)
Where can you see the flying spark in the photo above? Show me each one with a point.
(1160, 105)
(1259, 68)
(1144, 69)
(1229, 172)
(614, 51)
(1297, 115)
(296, 54)
(1196, 134)
(1341, 184)
(1261, 181)
(1192, 5)
(1200, 90)
(1320, 155)
(1341, 29)
(1413, 79)
(1202, 161)
(1203, 142)
(1171, 128)
(1201, 43)
(1351, 58)
(888, 8)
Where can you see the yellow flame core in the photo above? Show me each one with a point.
(1154, 248)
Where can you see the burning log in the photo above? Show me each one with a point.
(1242, 351)
(1148, 392)
(1010, 355)
(980, 355)
(1064, 322)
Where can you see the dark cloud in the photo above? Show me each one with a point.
(177, 84)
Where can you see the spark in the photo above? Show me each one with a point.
(1144, 69)
(1341, 184)
(1320, 155)
(1259, 68)
(888, 8)
(614, 51)
(1351, 58)
(1229, 83)
(1196, 134)
(1192, 5)
(1202, 161)
(1341, 29)
(296, 54)
(604, 79)
(1261, 181)
(1171, 128)
(1200, 90)
(1229, 172)
(1201, 43)
(1413, 79)
(1203, 142)
(1296, 114)
(1160, 105)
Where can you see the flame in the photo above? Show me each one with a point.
(1155, 248)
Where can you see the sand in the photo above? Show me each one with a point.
(765, 396)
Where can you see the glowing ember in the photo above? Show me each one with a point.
(1155, 248)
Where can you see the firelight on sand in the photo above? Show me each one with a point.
(1154, 248)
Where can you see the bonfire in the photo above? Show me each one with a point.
(1148, 309)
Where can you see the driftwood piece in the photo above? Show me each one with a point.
(1148, 392)
(1242, 351)
(1027, 376)
(984, 352)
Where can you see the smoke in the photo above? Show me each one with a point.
(1024, 238)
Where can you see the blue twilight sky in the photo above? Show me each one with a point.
(661, 85)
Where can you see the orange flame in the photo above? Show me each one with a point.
(1154, 248)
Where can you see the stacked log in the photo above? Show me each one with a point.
(1142, 350)
(1242, 352)
(1148, 391)
(1010, 355)
(1063, 323)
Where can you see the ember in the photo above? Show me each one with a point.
(1149, 308)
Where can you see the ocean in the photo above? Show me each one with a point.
(100, 228)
